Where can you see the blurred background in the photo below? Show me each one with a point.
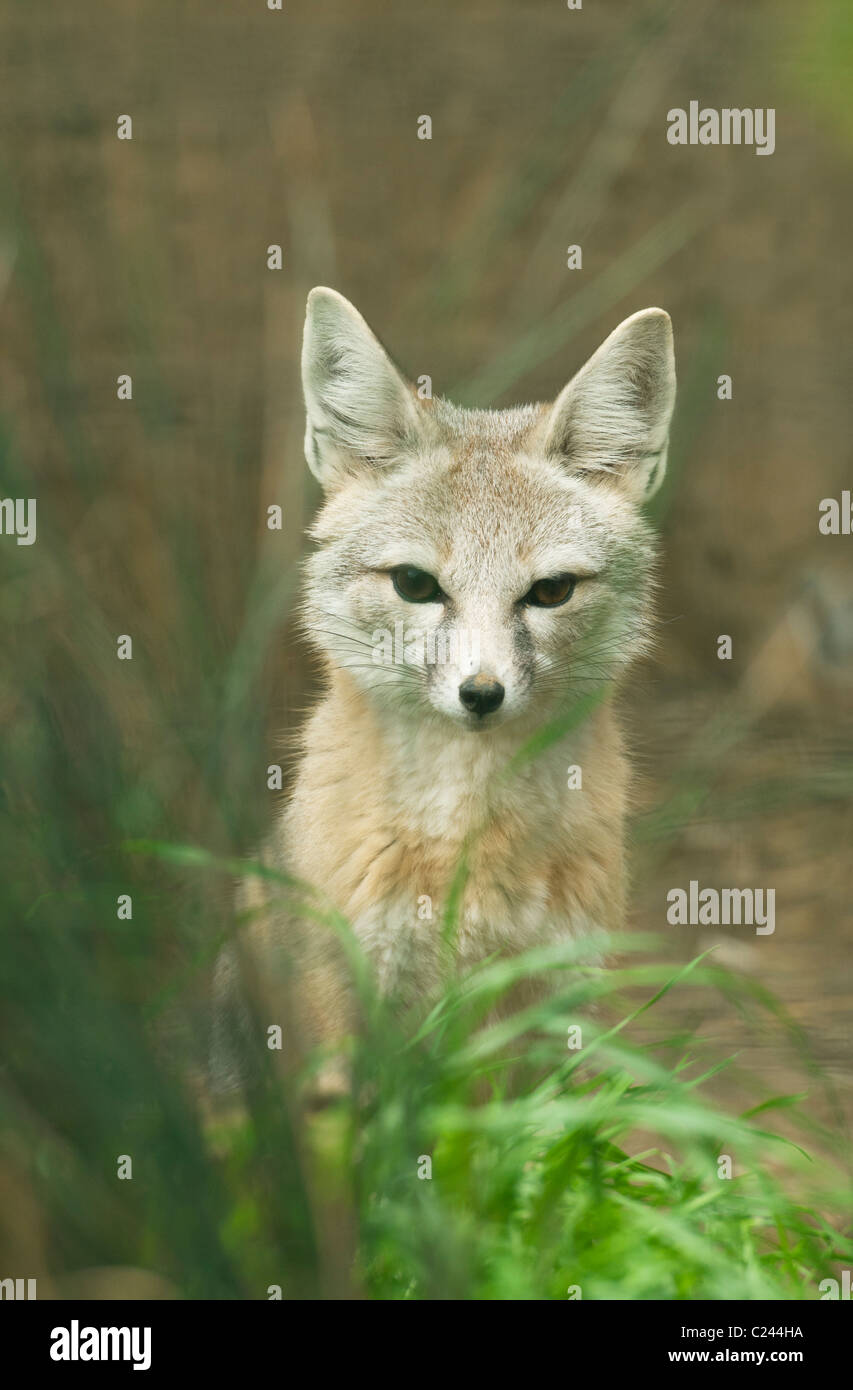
(148, 257)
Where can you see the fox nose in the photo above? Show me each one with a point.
(481, 694)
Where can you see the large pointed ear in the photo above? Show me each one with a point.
(613, 417)
(359, 408)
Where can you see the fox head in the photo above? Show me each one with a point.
(482, 566)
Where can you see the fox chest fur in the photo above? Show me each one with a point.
(383, 821)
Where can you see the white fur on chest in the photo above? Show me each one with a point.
(445, 786)
(403, 937)
(436, 798)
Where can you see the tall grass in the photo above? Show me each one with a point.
(473, 1160)
(502, 1160)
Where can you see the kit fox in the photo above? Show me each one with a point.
(508, 549)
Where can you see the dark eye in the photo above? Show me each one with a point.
(414, 585)
(550, 593)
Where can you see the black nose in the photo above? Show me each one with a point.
(481, 694)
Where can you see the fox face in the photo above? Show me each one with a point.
(481, 567)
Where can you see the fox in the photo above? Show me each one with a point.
(510, 549)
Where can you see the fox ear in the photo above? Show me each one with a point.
(359, 408)
(613, 417)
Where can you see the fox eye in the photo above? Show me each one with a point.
(414, 585)
(550, 593)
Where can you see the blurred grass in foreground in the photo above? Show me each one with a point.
(534, 1186)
